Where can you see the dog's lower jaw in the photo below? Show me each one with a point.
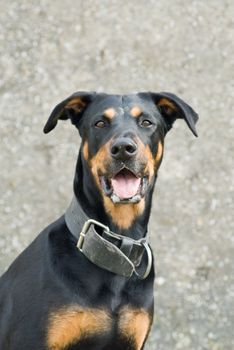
(129, 219)
(123, 215)
(127, 214)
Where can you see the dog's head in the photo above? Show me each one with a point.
(122, 138)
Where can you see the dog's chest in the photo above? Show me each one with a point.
(73, 326)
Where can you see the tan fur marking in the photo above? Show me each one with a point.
(109, 113)
(136, 111)
(170, 107)
(150, 162)
(86, 150)
(159, 152)
(99, 161)
(76, 103)
(123, 215)
(146, 157)
(69, 325)
(135, 324)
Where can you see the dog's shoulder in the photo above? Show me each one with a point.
(33, 262)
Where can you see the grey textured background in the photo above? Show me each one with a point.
(50, 49)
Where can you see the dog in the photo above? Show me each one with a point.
(86, 281)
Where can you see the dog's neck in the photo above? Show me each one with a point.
(91, 200)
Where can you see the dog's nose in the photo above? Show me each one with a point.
(123, 148)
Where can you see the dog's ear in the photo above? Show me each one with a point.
(71, 108)
(172, 108)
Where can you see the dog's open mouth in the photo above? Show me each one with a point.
(124, 187)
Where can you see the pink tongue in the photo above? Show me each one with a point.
(125, 185)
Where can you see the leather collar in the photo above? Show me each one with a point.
(116, 253)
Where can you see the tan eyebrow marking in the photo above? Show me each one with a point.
(109, 113)
(136, 111)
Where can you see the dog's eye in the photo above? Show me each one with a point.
(100, 124)
(146, 123)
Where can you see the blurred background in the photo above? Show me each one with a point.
(49, 49)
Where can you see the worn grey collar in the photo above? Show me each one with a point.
(118, 254)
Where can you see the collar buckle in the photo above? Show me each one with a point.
(85, 229)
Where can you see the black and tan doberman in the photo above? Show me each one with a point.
(86, 282)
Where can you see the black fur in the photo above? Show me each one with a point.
(52, 273)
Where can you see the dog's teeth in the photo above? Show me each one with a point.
(136, 199)
(115, 199)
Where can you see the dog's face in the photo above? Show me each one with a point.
(123, 145)
(122, 138)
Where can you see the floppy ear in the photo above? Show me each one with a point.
(71, 108)
(172, 108)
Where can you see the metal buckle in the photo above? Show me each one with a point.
(85, 229)
(149, 263)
